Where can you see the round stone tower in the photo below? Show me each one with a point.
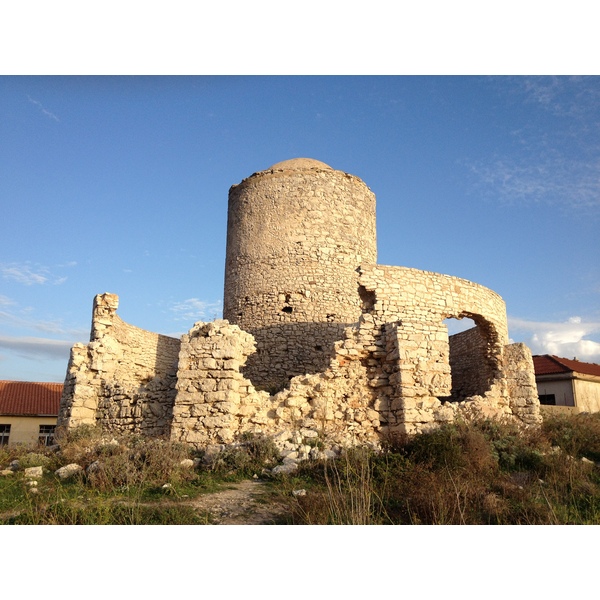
(296, 235)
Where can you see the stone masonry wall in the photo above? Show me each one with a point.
(356, 400)
(521, 385)
(320, 347)
(367, 394)
(471, 372)
(124, 378)
(297, 234)
(409, 306)
(215, 404)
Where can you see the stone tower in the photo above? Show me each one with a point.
(296, 235)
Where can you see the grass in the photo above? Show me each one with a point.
(127, 480)
(479, 473)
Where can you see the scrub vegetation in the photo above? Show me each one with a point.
(478, 473)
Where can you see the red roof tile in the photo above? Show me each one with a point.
(548, 364)
(28, 398)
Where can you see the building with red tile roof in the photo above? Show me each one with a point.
(28, 411)
(567, 382)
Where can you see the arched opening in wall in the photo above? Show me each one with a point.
(471, 356)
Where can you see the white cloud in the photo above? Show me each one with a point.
(21, 320)
(22, 274)
(39, 325)
(564, 96)
(567, 339)
(194, 309)
(27, 274)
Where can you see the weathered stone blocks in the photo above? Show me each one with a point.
(337, 349)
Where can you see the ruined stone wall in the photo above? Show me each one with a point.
(350, 352)
(471, 373)
(296, 235)
(409, 307)
(215, 403)
(365, 396)
(521, 387)
(414, 295)
(388, 376)
(356, 400)
(124, 378)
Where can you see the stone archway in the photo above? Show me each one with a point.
(475, 357)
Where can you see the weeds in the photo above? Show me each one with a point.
(481, 473)
(247, 458)
(478, 473)
(577, 435)
(349, 488)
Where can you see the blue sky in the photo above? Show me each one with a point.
(119, 184)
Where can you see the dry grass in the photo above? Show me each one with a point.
(482, 473)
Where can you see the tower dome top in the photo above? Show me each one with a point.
(300, 164)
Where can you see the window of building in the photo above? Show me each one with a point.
(4, 434)
(47, 435)
(548, 399)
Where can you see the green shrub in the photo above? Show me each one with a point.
(137, 462)
(578, 435)
(479, 473)
(453, 446)
(250, 456)
(34, 459)
(438, 449)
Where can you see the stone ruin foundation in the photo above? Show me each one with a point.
(319, 342)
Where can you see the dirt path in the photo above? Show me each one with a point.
(244, 503)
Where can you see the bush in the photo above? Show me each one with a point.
(248, 457)
(34, 459)
(479, 473)
(147, 462)
(453, 446)
(578, 435)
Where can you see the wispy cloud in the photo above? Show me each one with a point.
(567, 339)
(19, 318)
(34, 348)
(6, 301)
(553, 180)
(194, 309)
(28, 274)
(555, 153)
(44, 111)
(562, 96)
(23, 274)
